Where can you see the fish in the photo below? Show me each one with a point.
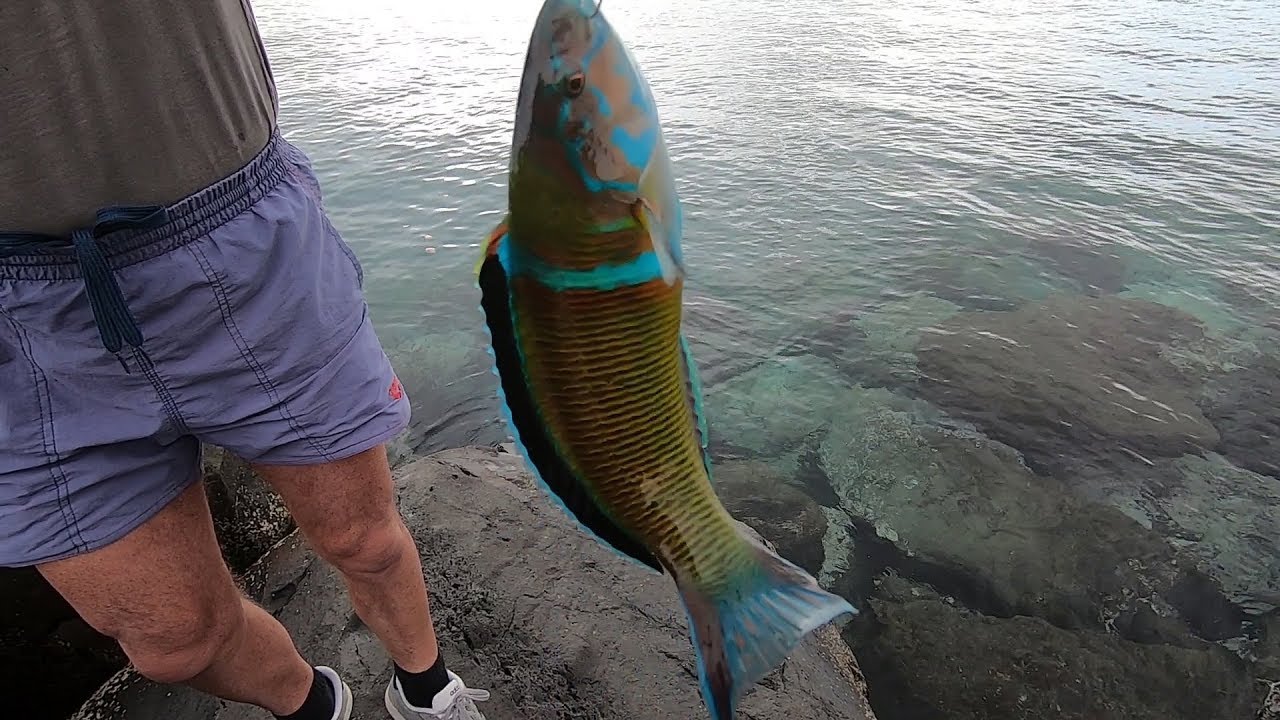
(581, 287)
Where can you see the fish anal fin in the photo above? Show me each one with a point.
(746, 630)
(693, 389)
(554, 474)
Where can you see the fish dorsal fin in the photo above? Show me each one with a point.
(531, 435)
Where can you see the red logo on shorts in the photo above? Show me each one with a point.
(396, 392)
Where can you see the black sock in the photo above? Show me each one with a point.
(319, 704)
(421, 688)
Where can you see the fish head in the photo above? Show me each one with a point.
(588, 155)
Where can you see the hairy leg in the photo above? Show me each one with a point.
(165, 594)
(347, 511)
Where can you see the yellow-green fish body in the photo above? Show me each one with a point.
(582, 293)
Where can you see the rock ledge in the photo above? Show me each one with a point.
(553, 624)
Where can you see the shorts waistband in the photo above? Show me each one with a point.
(125, 236)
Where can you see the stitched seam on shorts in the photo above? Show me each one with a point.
(48, 440)
(162, 390)
(246, 353)
(336, 237)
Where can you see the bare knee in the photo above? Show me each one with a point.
(185, 642)
(367, 548)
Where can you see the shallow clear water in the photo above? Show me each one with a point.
(939, 216)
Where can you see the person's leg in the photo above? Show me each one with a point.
(163, 592)
(99, 459)
(347, 511)
(100, 492)
(296, 383)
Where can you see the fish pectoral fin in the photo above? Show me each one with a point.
(747, 630)
(489, 248)
(672, 268)
(535, 442)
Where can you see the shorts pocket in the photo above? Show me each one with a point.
(336, 237)
(300, 168)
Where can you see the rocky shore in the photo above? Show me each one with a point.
(553, 624)
(1044, 507)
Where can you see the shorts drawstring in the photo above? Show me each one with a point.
(116, 323)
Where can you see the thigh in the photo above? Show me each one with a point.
(295, 373)
(88, 450)
(163, 581)
(339, 505)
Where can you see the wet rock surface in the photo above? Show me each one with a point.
(553, 624)
(928, 658)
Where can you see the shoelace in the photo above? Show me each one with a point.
(465, 701)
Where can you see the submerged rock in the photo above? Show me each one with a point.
(962, 512)
(759, 496)
(927, 659)
(886, 356)
(1070, 376)
(528, 606)
(1224, 516)
(773, 408)
(1097, 266)
(1245, 407)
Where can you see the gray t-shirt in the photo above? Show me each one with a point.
(137, 102)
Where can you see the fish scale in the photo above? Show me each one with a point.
(639, 427)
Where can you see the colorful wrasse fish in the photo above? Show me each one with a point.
(581, 289)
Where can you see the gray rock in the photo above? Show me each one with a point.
(1270, 709)
(527, 606)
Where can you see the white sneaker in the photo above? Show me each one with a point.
(455, 702)
(342, 701)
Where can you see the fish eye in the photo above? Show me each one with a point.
(575, 84)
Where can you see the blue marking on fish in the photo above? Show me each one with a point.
(644, 268)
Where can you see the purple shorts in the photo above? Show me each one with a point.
(253, 334)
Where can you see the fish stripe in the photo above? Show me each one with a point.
(607, 370)
(531, 436)
(605, 276)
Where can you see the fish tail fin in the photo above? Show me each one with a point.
(743, 633)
